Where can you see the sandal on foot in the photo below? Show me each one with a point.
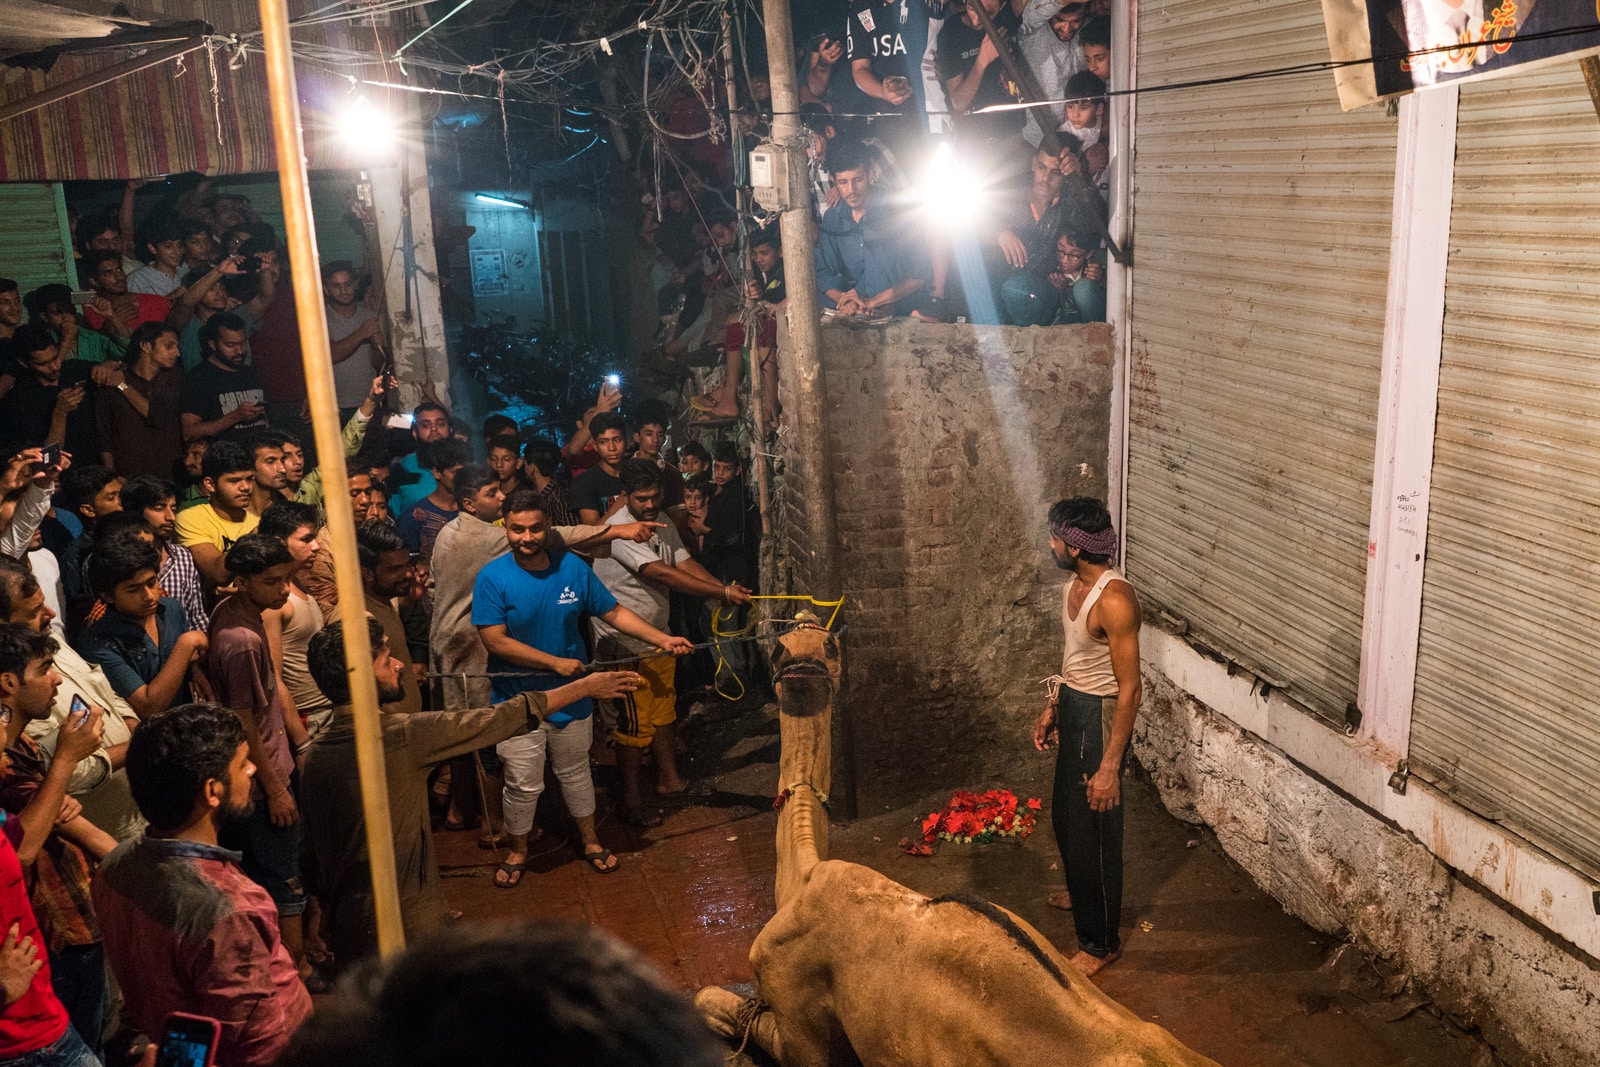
(599, 861)
(642, 815)
(513, 873)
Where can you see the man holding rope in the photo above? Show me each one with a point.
(413, 745)
(526, 606)
(1089, 718)
(641, 577)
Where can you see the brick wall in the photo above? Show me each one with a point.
(949, 444)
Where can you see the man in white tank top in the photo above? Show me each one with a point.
(1089, 719)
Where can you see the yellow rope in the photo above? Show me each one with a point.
(721, 612)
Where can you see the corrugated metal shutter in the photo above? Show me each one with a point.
(34, 248)
(1262, 219)
(1508, 669)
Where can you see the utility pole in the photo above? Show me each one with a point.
(812, 452)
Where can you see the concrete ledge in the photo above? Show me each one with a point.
(1467, 908)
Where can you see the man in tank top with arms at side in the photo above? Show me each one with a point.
(1089, 718)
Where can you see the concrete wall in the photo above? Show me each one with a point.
(950, 442)
(1339, 866)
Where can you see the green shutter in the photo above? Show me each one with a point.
(35, 247)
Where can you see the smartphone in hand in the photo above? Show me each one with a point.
(79, 712)
(188, 1041)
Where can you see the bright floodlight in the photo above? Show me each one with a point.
(500, 201)
(952, 193)
(369, 129)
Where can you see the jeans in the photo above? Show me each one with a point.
(1090, 841)
(1030, 300)
(78, 975)
(522, 760)
(68, 1050)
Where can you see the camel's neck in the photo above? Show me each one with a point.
(804, 767)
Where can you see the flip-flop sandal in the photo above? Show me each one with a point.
(643, 816)
(598, 861)
(513, 873)
(702, 403)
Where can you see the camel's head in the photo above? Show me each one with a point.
(805, 667)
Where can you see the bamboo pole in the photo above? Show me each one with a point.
(313, 324)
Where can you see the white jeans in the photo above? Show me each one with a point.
(522, 759)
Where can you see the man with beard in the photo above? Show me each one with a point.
(387, 573)
(222, 393)
(642, 577)
(412, 746)
(269, 473)
(185, 929)
(1089, 717)
(352, 331)
(467, 544)
(210, 529)
(526, 606)
(867, 264)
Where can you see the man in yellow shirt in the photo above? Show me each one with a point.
(208, 530)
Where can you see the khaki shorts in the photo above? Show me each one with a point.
(653, 704)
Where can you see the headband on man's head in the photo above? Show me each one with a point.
(1099, 543)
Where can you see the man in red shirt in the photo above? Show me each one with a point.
(185, 929)
(115, 311)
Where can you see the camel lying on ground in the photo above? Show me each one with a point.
(857, 969)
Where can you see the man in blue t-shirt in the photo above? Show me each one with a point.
(526, 606)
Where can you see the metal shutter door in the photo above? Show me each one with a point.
(1509, 658)
(34, 247)
(1262, 221)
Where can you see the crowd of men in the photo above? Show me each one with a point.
(177, 794)
(877, 77)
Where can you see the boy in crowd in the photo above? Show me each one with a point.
(137, 415)
(504, 459)
(58, 843)
(185, 929)
(291, 627)
(1096, 40)
(240, 667)
(693, 459)
(210, 529)
(1084, 114)
(95, 492)
(541, 467)
(640, 576)
(156, 501)
(161, 275)
(421, 523)
(597, 492)
(144, 642)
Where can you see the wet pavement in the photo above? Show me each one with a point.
(1207, 954)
